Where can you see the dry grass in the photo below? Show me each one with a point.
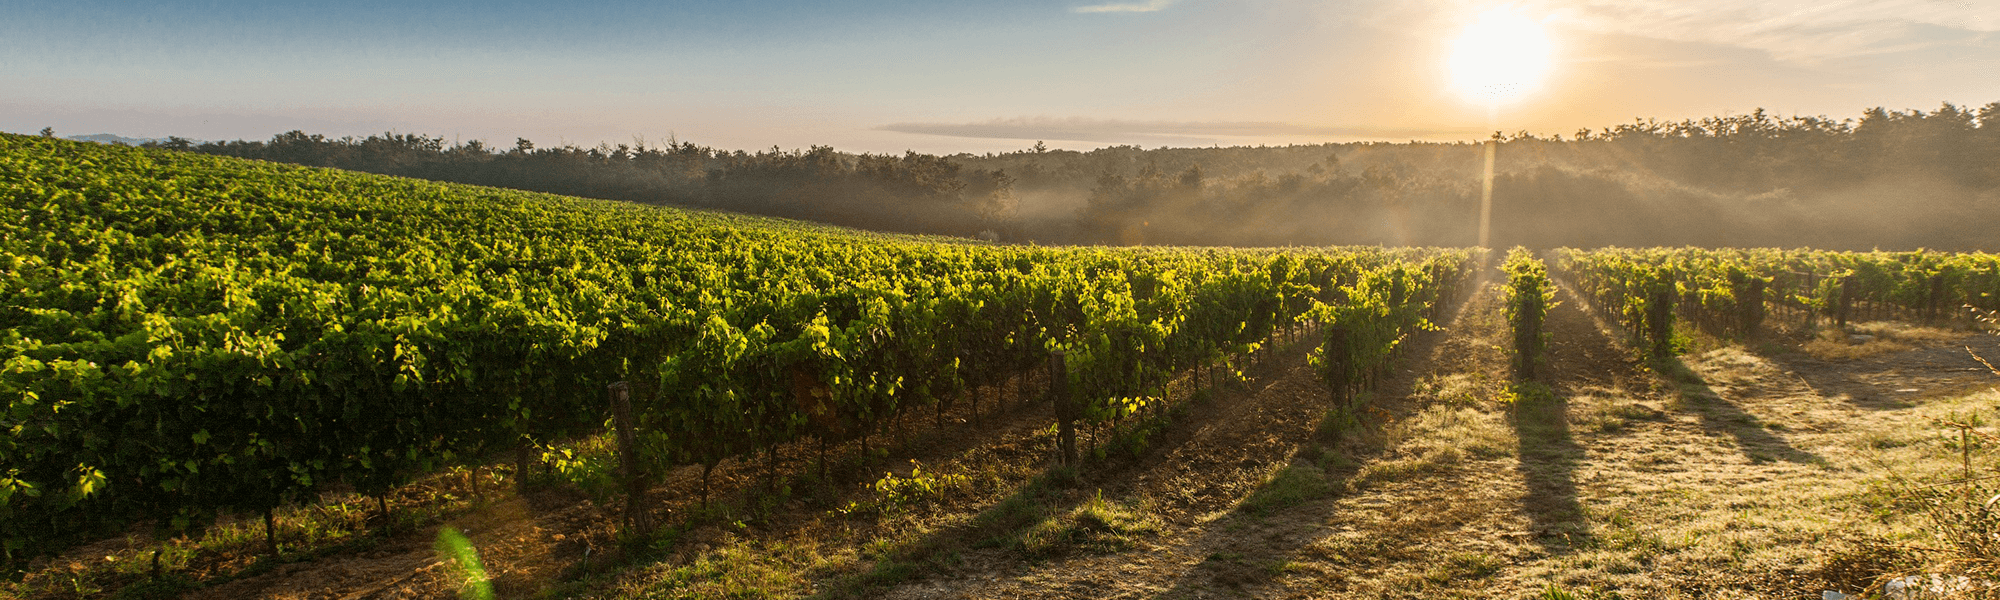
(1676, 503)
(737, 568)
(1456, 389)
(1609, 413)
(1728, 477)
(1438, 438)
(1863, 340)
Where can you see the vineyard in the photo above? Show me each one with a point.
(1732, 293)
(187, 335)
(193, 341)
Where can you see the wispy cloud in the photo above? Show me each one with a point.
(1792, 30)
(1122, 7)
(1179, 133)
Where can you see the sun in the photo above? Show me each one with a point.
(1500, 58)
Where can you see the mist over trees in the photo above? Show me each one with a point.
(1888, 179)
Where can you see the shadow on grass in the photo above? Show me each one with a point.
(1280, 524)
(1872, 382)
(1842, 381)
(1257, 542)
(1719, 415)
(1549, 456)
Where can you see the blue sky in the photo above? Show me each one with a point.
(887, 76)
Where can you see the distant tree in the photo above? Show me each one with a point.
(48, 132)
(1192, 178)
(993, 200)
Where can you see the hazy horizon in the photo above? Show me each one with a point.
(943, 78)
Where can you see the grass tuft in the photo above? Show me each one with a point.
(1098, 525)
(1462, 566)
(1297, 483)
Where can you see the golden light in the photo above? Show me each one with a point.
(1500, 57)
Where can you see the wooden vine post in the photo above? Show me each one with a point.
(1065, 407)
(628, 459)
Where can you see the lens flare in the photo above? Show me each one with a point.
(1500, 58)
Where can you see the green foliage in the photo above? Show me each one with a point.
(1727, 291)
(1367, 316)
(916, 488)
(183, 334)
(1530, 295)
(590, 466)
(1527, 392)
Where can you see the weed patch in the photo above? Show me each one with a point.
(1297, 483)
(1461, 566)
(1098, 525)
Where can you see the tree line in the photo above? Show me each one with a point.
(914, 193)
(1889, 179)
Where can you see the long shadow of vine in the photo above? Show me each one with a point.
(1721, 416)
(1549, 458)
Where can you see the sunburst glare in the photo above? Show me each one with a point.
(1500, 57)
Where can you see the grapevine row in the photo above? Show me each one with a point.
(1731, 292)
(185, 335)
(1530, 295)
